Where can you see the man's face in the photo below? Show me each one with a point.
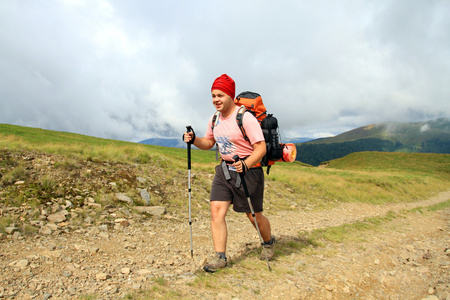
(221, 101)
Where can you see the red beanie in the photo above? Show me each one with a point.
(225, 84)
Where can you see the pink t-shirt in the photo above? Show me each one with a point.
(229, 137)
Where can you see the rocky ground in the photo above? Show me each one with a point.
(95, 251)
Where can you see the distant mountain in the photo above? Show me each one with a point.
(178, 143)
(425, 137)
(166, 142)
(296, 140)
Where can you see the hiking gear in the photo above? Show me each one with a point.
(269, 249)
(225, 84)
(189, 129)
(252, 102)
(215, 263)
(236, 158)
(222, 255)
(193, 136)
(289, 152)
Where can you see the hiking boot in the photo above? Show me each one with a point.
(215, 263)
(268, 250)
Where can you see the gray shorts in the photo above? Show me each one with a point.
(226, 190)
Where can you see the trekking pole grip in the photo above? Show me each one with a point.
(236, 159)
(189, 129)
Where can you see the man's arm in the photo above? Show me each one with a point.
(200, 142)
(259, 150)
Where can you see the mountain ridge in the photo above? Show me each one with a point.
(413, 137)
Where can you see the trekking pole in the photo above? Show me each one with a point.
(247, 194)
(189, 129)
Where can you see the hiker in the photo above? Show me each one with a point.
(225, 190)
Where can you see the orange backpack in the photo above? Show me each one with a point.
(253, 102)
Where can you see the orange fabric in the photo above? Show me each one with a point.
(256, 105)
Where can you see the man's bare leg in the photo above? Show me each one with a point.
(219, 230)
(263, 224)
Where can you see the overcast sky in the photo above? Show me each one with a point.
(132, 70)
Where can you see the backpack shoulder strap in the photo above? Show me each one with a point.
(215, 120)
(239, 118)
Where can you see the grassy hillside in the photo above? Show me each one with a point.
(420, 137)
(57, 165)
(405, 133)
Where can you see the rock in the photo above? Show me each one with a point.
(151, 210)
(94, 231)
(21, 264)
(11, 230)
(125, 271)
(145, 196)
(102, 276)
(94, 205)
(45, 230)
(122, 221)
(123, 198)
(57, 217)
(52, 226)
(143, 272)
(67, 273)
(69, 204)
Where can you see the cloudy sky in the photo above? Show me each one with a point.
(131, 70)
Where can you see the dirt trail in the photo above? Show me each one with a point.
(407, 258)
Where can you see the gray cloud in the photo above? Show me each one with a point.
(132, 70)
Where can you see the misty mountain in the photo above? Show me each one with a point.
(425, 137)
(178, 143)
(166, 142)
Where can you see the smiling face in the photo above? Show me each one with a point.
(222, 102)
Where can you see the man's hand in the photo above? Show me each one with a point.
(189, 137)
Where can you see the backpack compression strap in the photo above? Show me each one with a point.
(239, 118)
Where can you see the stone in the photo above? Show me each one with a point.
(94, 205)
(57, 217)
(145, 196)
(102, 276)
(151, 210)
(143, 272)
(22, 264)
(45, 230)
(52, 226)
(122, 221)
(11, 230)
(123, 198)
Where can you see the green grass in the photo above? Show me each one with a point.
(367, 177)
(352, 231)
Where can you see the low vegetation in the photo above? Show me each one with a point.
(368, 177)
(38, 167)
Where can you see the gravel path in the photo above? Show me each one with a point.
(406, 258)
